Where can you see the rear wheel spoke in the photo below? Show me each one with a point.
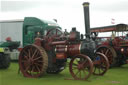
(38, 64)
(25, 53)
(33, 67)
(39, 61)
(34, 53)
(38, 69)
(37, 58)
(27, 68)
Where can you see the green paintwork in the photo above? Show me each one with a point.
(10, 44)
(34, 25)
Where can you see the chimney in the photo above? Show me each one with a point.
(86, 18)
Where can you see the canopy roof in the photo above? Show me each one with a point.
(117, 28)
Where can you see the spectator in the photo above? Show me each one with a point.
(8, 39)
(126, 37)
(112, 36)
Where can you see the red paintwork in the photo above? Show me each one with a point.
(118, 27)
(61, 56)
(40, 56)
(63, 48)
(19, 49)
(8, 39)
(73, 49)
(59, 43)
(72, 36)
(67, 50)
(118, 44)
(104, 30)
(37, 42)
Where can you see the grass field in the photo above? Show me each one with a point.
(114, 76)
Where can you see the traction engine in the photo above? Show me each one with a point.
(51, 52)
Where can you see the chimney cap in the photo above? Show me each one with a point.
(85, 3)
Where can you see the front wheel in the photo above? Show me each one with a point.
(81, 67)
(101, 64)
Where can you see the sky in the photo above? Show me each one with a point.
(69, 13)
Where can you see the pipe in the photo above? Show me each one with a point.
(59, 43)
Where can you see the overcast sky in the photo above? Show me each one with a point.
(69, 13)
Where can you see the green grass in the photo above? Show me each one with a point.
(115, 76)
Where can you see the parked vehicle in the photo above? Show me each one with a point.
(22, 32)
(116, 46)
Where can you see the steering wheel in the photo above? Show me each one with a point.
(53, 34)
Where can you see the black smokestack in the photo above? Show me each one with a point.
(86, 18)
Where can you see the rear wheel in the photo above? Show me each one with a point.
(33, 61)
(110, 53)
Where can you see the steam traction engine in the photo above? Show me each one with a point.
(50, 53)
(114, 47)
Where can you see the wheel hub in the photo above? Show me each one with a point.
(30, 61)
(80, 66)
